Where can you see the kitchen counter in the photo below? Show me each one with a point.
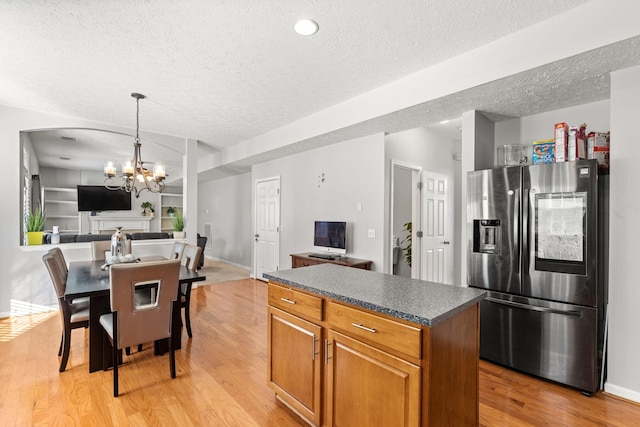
(412, 345)
(425, 303)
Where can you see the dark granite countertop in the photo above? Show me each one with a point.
(417, 301)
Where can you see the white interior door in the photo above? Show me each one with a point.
(436, 249)
(267, 229)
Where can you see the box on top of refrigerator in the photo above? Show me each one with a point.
(543, 151)
(576, 143)
(598, 148)
(560, 135)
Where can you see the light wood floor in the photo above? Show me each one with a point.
(221, 378)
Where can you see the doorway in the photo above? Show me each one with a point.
(267, 226)
(404, 215)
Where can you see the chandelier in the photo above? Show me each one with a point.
(135, 176)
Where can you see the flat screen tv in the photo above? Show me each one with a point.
(100, 198)
(330, 237)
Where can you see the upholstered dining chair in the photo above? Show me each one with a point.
(130, 323)
(99, 247)
(176, 251)
(74, 314)
(190, 260)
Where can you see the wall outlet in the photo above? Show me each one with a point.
(372, 233)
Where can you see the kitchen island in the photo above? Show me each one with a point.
(353, 347)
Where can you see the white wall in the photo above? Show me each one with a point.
(433, 150)
(226, 205)
(353, 173)
(624, 237)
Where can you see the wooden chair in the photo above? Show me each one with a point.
(99, 247)
(130, 323)
(74, 314)
(190, 259)
(176, 251)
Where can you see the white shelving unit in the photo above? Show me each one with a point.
(168, 200)
(61, 209)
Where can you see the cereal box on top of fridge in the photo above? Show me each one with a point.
(576, 143)
(543, 151)
(560, 137)
(598, 148)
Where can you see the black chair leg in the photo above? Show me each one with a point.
(115, 370)
(172, 359)
(61, 344)
(66, 345)
(187, 319)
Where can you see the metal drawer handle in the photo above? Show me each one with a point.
(373, 331)
(287, 300)
(573, 313)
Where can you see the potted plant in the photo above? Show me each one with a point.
(178, 225)
(147, 207)
(35, 226)
(171, 211)
(407, 249)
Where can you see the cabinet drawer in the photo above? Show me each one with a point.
(304, 262)
(398, 336)
(295, 302)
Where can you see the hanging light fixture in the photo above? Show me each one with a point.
(135, 176)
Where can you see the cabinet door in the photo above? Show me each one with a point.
(294, 363)
(368, 387)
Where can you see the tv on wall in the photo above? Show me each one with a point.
(330, 236)
(100, 198)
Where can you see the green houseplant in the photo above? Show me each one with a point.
(171, 211)
(178, 225)
(34, 222)
(407, 249)
(147, 207)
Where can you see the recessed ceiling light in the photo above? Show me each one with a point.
(65, 158)
(306, 27)
(444, 122)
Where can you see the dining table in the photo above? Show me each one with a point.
(91, 279)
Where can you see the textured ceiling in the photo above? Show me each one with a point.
(223, 72)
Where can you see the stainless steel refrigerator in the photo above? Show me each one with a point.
(537, 243)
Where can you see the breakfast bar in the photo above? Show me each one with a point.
(353, 347)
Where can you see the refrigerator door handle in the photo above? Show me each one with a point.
(573, 313)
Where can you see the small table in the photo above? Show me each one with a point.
(305, 259)
(86, 279)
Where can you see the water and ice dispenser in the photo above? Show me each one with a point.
(487, 236)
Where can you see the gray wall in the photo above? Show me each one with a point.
(225, 204)
(624, 235)
(353, 173)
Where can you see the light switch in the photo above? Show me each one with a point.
(359, 206)
(372, 233)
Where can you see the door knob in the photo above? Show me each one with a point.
(256, 236)
(446, 242)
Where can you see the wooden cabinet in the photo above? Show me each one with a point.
(369, 387)
(61, 207)
(294, 363)
(336, 364)
(305, 260)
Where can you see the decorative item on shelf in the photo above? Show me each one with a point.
(135, 176)
(119, 243)
(147, 209)
(55, 236)
(171, 211)
(34, 223)
(178, 225)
